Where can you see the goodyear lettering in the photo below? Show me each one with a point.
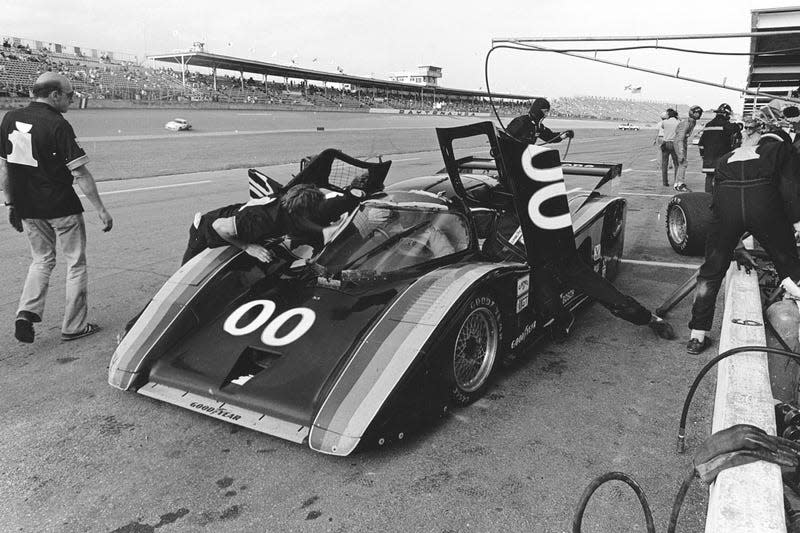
(214, 411)
(523, 335)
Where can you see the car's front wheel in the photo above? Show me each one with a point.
(473, 349)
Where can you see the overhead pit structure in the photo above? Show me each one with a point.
(775, 64)
(216, 62)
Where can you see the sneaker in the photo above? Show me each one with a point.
(662, 328)
(88, 330)
(23, 330)
(696, 346)
(681, 187)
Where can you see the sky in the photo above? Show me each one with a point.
(371, 38)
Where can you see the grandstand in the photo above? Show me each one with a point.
(109, 79)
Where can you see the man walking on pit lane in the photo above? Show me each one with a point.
(682, 133)
(39, 159)
(669, 125)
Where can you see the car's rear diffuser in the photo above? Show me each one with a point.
(227, 412)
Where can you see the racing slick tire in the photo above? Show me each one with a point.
(688, 222)
(473, 349)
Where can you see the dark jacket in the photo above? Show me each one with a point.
(719, 137)
(526, 129)
(773, 160)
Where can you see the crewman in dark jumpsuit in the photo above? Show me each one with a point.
(756, 189)
(530, 127)
(719, 137)
(564, 268)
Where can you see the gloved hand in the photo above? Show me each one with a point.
(567, 134)
(742, 444)
(14, 219)
(744, 259)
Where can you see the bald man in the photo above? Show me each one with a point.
(39, 160)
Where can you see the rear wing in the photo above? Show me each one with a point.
(330, 169)
(487, 165)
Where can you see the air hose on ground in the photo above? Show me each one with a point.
(739, 444)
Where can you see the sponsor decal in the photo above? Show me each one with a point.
(522, 303)
(598, 253)
(517, 236)
(567, 296)
(214, 411)
(523, 284)
(523, 334)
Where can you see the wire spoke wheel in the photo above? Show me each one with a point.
(475, 350)
(677, 224)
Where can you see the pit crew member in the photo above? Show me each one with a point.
(530, 126)
(300, 213)
(756, 189)
(719, 137)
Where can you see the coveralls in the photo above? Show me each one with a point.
(719, 137)
(756, 190)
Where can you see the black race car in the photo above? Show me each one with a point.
(423, 291)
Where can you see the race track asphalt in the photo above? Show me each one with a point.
(79, 456)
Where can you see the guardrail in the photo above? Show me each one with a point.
(746, 498)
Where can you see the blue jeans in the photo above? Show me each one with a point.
(42, 234)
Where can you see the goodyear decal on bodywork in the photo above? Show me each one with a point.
(385, 355)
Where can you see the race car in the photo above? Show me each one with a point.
(628, 126)
(178, 124)
(409, 309)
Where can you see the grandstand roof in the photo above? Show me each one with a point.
(205, 59)
(775, 74)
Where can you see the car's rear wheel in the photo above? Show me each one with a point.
(688, 222)
(474, 349)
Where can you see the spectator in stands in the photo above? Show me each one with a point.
(682, 133)
(39, 159)
(757, 189)
(719, 137)
(530, 126)
(669, 125)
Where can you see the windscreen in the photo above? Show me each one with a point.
(384, 238)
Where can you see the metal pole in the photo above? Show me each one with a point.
(651, 71)
(644, 37)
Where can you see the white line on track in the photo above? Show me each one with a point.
(644, 194)
(185, 184)
(626, 170)
(408, 159)
(688, 266)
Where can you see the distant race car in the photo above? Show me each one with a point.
(421, 294)
(178, 124)
(628, 126)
